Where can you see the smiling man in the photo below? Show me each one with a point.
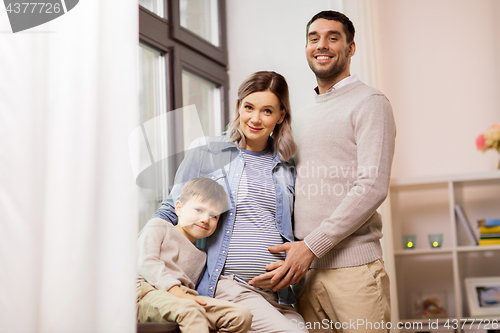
(345, 150)
(329, 49)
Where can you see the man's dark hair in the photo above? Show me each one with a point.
(334, 16)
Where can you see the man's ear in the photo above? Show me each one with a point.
(178, 206)
(352, 49)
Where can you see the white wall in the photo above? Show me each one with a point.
(436, 60)
(439, 66)
(270, 35)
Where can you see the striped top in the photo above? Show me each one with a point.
(255, 220)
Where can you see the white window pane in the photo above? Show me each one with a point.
(206, 96)
(152, 101)
(202, 18)
(156, 6)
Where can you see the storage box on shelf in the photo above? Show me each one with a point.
(427, 206)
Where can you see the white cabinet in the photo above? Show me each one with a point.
(427, 206)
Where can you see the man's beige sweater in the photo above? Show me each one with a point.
(346, 144)
(166, 258)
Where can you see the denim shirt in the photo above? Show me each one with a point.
(222, 161)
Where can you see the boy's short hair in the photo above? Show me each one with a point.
(204, 189)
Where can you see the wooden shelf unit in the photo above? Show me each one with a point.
(423, 206)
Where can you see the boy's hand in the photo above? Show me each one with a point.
(178, 292)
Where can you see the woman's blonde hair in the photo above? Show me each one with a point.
(282, 138)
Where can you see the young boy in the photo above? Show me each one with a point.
(169, 266)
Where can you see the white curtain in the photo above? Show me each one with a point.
(363, 13)
(68, 217)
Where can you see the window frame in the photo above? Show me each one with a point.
(183, 49)
(197, 65)
(197, 43)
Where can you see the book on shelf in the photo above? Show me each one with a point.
(489, 235)
(489, 241)
(486, 236)
(488, 223)
(489, 230)
(465, 224)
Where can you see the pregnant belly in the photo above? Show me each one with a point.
(248, 258)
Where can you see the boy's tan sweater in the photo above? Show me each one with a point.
(346, 144)
(166, 258)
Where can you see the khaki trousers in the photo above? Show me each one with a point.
(268, 315)
(155, 305)
(352, 299)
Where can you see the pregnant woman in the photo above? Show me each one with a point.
(253, 162)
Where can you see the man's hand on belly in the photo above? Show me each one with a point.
(298, 259)
(263, 281)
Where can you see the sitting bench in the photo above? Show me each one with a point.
(157, 328)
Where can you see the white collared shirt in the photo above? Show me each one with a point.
(341, 83)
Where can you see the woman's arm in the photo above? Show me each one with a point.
(188, 169)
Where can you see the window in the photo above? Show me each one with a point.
(155, 6)
(206, 96)
(152, 103)
(201, 18)
(183, 60)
